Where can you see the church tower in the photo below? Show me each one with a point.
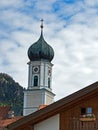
(39, 91)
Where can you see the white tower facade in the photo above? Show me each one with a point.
(39, 91)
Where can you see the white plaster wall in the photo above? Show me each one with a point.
(46, 75)
(49, 98)
(33, 98)
(29, 111)
(42, 75)
(48, 124)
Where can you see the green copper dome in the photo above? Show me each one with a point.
(40, 50)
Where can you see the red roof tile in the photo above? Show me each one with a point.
(4, 111)
(5, 122)
(42, 106)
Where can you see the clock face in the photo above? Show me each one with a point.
(35, 69)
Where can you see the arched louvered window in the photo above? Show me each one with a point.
(35, 80)
(48, 82)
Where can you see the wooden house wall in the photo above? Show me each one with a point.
(74, 111)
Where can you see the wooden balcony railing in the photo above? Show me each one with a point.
(77, 124)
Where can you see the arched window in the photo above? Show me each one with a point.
(48, 82)
(35, 80)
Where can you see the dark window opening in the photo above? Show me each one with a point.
(48, 82)
(35, 80)
(83, 111)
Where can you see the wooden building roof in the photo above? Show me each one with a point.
(56, 107)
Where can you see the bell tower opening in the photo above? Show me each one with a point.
(49, 82)
(35, 81)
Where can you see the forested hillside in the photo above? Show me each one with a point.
(11, 93)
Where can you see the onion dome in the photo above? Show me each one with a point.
(40, 50)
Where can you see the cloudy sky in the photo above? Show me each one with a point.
(70, 27)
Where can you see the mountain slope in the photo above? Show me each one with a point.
(11, 93)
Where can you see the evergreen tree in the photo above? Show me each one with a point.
(11, 93)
